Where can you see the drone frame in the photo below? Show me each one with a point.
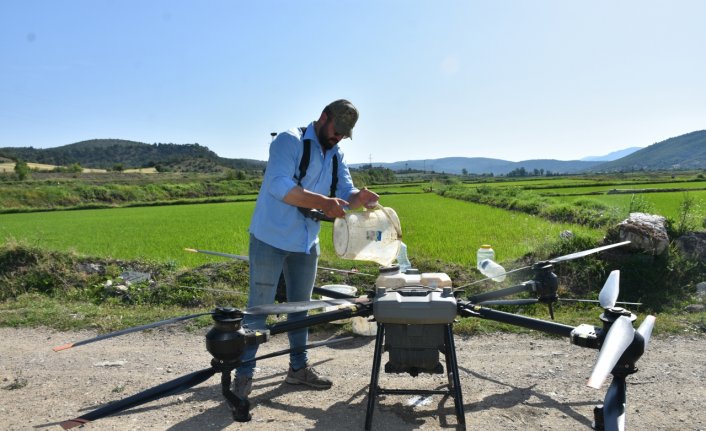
(619, 344)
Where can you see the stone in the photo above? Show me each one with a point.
(132, 277)
(91, 268)
(695, 308)
(646, 232)
(693, 245)
(701, 289)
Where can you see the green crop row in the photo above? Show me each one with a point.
(433, 227)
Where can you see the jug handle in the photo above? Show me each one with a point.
(397, 226)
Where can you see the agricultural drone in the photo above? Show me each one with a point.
(414, 313)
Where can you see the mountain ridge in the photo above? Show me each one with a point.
(682, 152)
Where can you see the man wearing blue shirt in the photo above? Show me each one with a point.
(285, 239)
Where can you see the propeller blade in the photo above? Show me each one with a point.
(333, 293)
(490, 278)
(308, 346)
(614, 405)
(247, 259)
(586, 252)
(619, 337)
(216, 253)
(596, 301)
(611, 289)
(510, 302)
(165, 389)
(645, 329)
(294, 307)
(129, 330)
(486, 296)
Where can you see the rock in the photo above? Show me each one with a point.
(566, 234)
(91, 268)
(118, 363)
(131, 277)
(117, 289)
(701, 289)
(694, 308)
(693, 245)
(646, 232)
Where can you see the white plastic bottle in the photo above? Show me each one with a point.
(484, 252)
(492, 270)
(402, 259)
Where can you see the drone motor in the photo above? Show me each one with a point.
(227, 340)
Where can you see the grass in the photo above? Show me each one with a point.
(38, 310)
(442, 235)
(433, 228)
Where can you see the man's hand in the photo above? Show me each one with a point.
(365, 198)
(334, 207)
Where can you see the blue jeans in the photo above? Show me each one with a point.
(266, 265)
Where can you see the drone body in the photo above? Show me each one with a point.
(415, 314)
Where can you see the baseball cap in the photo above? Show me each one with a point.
(344, 116)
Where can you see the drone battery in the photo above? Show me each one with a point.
(415, 305)
(414, 348)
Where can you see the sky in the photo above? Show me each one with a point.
(504, 79)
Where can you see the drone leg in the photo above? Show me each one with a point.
(454, 379)
(374, 375)
(239, 406)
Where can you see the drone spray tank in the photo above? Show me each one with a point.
(414, 308)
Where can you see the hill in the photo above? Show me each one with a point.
(682, 153)
(107, 153)
(614, 155)
(481, 165)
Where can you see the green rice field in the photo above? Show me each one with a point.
(433, 228)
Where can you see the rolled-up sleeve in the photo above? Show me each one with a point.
(285, 152)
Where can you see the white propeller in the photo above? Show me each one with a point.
(611, 289)
(645, 329)
(619, 337)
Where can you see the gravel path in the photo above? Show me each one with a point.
(509, 381)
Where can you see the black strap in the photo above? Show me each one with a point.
(303, 166)
(334, 177)
(306, 157)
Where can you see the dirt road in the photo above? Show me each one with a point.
(510, 382)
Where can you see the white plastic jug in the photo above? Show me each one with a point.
(373, 234)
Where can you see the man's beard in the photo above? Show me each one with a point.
(326, 143)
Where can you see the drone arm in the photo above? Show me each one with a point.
(363, 310)
(527, 286)
(470, 310)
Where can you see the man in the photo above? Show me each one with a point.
(283, 235)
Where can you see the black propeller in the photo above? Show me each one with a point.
(541, 264)
(176, 386)
(584, 253)
(165, 389)
(283, 308)
(247, 259)
(510, 302)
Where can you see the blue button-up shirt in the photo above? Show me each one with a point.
(282, 225)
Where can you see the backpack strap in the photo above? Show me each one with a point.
(303, 166)
(306, 157)
(334, 177)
